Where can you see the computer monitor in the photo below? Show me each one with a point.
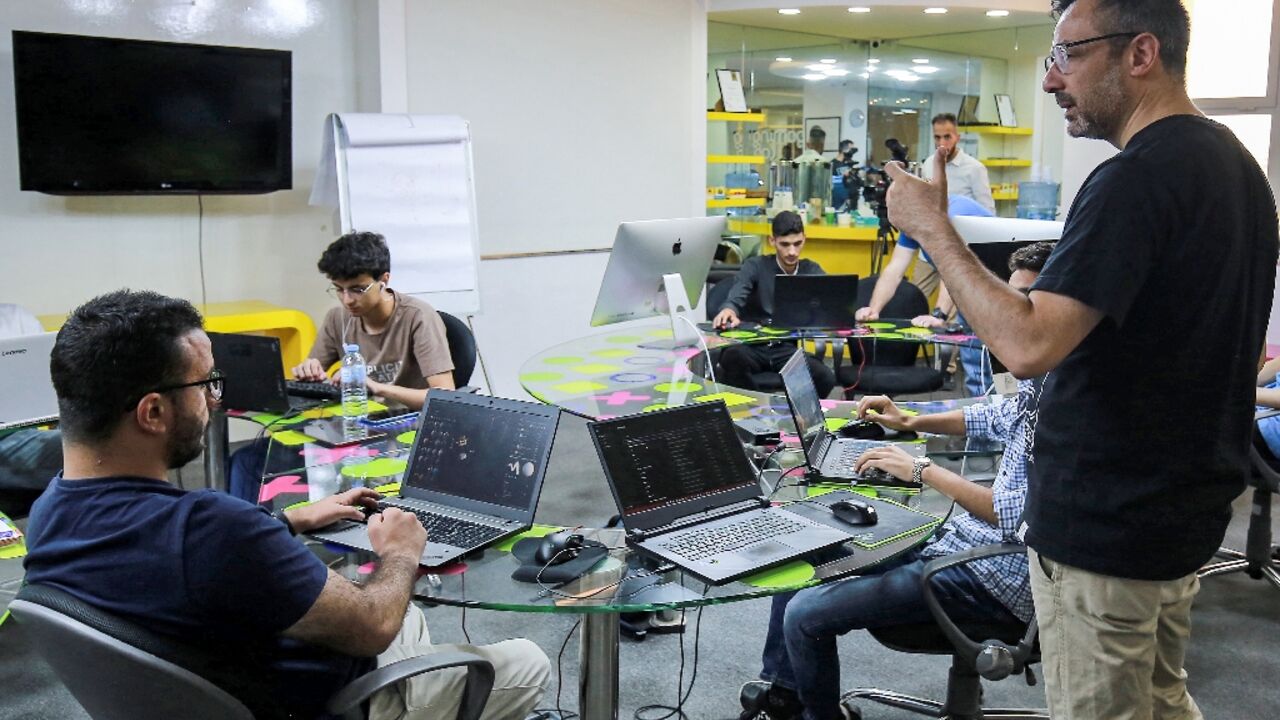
(644, 255)
(975, 230)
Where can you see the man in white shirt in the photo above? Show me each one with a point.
(965, 175)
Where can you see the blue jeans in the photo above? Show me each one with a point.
(977, 369)
(245, 469)
(800, 648)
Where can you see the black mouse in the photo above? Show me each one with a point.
(557, 548)
(854, 512)
(861, 430)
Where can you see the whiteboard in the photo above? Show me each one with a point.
(409, 178)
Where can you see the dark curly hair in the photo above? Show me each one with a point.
(787, 223)
(1031, 257)
(111, 351)
(1166, 19)
(356, 254)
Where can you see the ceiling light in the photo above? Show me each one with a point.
(873, 61)
(783, 59)
(871, 68)
(908, 77)
(908, 112)
(859, 9)
(836, 72)
(814, 76)
(920, 61)
(865, 76)
(927, 11)
(997, 13)
(815, 67)
(926, 69)
(789, 11)
(828, 61)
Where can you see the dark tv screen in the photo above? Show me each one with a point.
(111, 116)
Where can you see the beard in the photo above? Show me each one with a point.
(1099, 114)
(187, 441)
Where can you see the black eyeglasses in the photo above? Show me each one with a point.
(212, 385)
(1058, 53)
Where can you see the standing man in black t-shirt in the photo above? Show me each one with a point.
(1138, 452)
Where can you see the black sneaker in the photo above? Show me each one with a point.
(760, 700)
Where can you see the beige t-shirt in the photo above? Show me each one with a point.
(409, 349)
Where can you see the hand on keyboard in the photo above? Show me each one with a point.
(396, 533)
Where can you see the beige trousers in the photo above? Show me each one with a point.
(1113, 647)
(521, 671)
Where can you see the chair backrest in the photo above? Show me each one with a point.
(109, 664)
(462, 348)
(718, 294)
(1266, 466)
(907, 302)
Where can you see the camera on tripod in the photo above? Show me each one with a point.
(875, 187)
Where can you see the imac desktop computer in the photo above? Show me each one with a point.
(658, 267)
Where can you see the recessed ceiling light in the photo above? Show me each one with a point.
(815, 67)
(926, 69)
(859, 9)
(789, 11)
(907, 77)
(783, 59)
(871, 68)
(905, 100)
(865, 76)
(836, 72)
(927, 11)
(920, 61)
(997, 13)
(814, 76)
(873, 61)
(828, 61)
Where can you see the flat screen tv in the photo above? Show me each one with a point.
(107, 116)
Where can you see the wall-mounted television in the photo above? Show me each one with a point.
(108, 116)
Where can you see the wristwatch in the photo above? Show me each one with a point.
(939, 313)
(279, 515)
(917, 469)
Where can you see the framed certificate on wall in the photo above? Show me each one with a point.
(731, 95)
(1004, 108)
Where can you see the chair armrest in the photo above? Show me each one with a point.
(475, 692)
(965, 645)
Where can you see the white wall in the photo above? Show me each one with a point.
(582, 115)
(60, 251)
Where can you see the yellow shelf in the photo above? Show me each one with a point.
(735, 117)
(735, 159)
(1006, 162)
(812, 231)
(735, 202)
(1004, 196)
(994, 130)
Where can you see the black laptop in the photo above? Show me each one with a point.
(815, 302)
(689, 495)
(254, 370)
(829, 457)
(474, 475)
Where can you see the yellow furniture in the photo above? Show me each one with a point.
(295, 329)
(839, 250)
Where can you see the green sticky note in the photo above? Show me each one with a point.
(535, 532)
(916, 331)
(790, 575)
(291, 437)
(880, 325)
(407, 437)
(731, 399)
(774, 331)
(565, 360)
(624, 339)
(613, 352)
(541, 377)
(378, 467)
(885, 336)
(594, 368)
(16, 550)
(737, 334)
(677, 386)
(578, 387)
(388, 489)
(659, 332)
(834, 424)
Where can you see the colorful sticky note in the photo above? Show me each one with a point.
(290, 437)
(565, 360)
(792, 574)
(730, 398)
(378, 467)
(579, 387)
(612, 352)
(540, 377)
(594, 368)
(677, 386)
(407, 438)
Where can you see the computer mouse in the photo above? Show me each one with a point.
(854, 512)
(862, 430)
(950, 329)
(559, 547)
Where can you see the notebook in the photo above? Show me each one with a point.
(815, 302)
(688, 494)
(26, 388)
(829, 457)
(474, 474)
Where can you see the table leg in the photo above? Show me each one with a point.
(215, 451)
(598, 667)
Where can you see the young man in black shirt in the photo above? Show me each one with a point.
(1138, 452)
(751, 298)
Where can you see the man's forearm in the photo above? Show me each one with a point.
(975, 498)
(411, 398)
(388, 590)
(1268, 397)
(947, 423)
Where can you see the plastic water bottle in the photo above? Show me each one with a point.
(355, 397)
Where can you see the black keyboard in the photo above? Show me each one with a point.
(313, 390)
(449, 530)
(699, 544)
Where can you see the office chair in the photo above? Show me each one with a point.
(1006, 649)
(1260, 559)
(462, 348)
(890, 366)
(118, 670)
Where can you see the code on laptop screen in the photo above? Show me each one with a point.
(488, 454)
(662, 458)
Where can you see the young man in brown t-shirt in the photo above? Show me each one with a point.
(401, 338)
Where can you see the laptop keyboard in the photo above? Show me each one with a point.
(843, 455)
(450, 530)
(703, 543)
(313, 390)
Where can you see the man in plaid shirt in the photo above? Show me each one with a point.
(801, 668)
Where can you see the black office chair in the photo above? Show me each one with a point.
(1260, 559)
(1006, 649)
(462, 348)
(118, 670)
(890, 367)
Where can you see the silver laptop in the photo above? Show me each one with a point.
(689, 495)
(828, 456)
(474, 475)
(26, 389)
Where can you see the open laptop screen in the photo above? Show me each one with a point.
(485, 453)
(806, 408)
(661, 459)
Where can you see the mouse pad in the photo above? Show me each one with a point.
(895, 522)
(526, 549)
